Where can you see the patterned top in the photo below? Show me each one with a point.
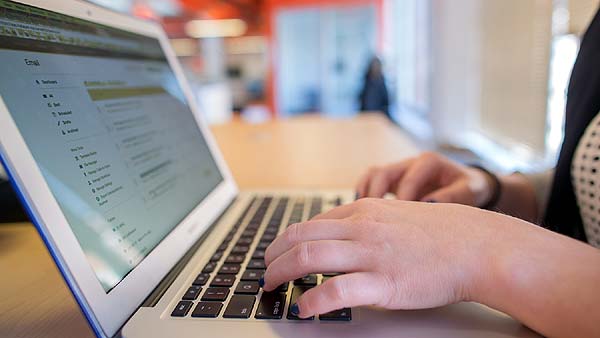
(585, 173)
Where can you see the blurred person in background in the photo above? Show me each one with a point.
(374, 94)
(526, 245)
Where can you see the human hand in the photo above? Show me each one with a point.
(396, 255)
(429, 177)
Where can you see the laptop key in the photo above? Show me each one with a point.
(210, 267)
(236, 259)
(192, 293)
(272, 230)
(247, 288)
(310, 280)
(207, 310)
(249, 233)
(245, 241)
(240, 249)
(257, 264)
(252, 275)
(229, 269)
(240, 306)
(182, 309)
(282, 288)
(296, 293)
(215, 294)
(216, 257)
(343, 315)
(271, 306)
(268, 237)
(201, 279)
(263, 245)
(223, 280)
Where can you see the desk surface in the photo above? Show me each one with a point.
(307, 152)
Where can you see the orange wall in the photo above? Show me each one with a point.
(273, 7)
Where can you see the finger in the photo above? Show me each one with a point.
(416, 179)
(314, 257)
(363, 184)
(350, 290)
(308, 231)
(379, 184)
(457, 192)
(340, 212)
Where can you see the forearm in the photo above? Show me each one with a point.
(549, 282)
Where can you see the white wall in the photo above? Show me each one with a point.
(490, 73)
(456, 64)
(515, 70)
(581, 13)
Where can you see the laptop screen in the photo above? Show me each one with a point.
(103, 115)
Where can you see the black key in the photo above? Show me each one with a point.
(268, 237)
(249, 233)
(257, 264)
(240, 306)
(282, 288)
(259, 254)
(223, 246)
(210, 267)
(263, 245)
(252, 275)
(313, 213)
(207, 310)
(252, 227)
(245, 241)
(343, 315)
(272, 230)
(216, 257)
(296, 293)
(217, 294)
(182, 309)
(229, 238)
(236, 259)
(192, 293)
(223, 280)
(247, 288)
(240, 249)
(310, 280)
(271, 306)
(229, 269)
(338, 201)
(201, 279)
(331, 274)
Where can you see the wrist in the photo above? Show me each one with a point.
(485, 186)
(499, 261)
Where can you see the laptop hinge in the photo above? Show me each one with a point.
(166, 282)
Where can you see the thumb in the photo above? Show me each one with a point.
(457, 192)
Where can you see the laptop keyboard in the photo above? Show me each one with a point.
(228, 284)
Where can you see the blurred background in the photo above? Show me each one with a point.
(485, 77)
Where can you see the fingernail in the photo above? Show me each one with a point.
(431, 201)
(261, 282)
(295, 310)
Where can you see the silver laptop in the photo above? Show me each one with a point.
(120, 174)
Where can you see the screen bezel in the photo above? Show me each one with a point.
(107, 312)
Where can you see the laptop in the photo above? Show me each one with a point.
(102, 139)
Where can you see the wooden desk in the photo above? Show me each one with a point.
(307, 152)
